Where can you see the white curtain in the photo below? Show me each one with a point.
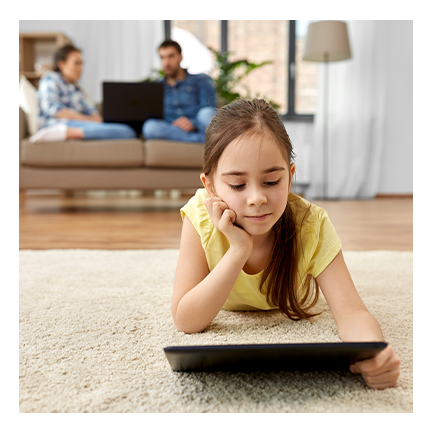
(118, 50)
(356, 117)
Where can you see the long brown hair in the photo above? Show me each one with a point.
(280, 280)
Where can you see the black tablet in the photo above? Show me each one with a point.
(271, 357)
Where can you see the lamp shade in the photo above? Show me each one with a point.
(327, 41)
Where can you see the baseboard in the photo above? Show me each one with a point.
(394, 196)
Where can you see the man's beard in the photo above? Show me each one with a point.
(171, 74)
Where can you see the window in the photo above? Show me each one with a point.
(259, 41)
(306, 74)
(195, 37)
(289, 81)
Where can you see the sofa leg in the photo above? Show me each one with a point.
(160, 193)
(175, 194)
(66, 193)
(21, 198)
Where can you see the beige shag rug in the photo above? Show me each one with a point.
(93, 325)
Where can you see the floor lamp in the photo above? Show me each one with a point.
(326, 41)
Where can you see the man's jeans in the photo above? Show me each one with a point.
(93, 130)
(161, 129)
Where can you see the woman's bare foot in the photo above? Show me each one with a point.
(74, 133)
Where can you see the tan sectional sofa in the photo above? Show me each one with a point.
(107, 164)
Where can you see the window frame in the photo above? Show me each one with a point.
(291, 114)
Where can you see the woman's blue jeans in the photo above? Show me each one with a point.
(93, 130)
(161, 129)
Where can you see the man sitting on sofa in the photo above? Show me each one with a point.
(190, 101)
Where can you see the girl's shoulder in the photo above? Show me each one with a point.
(196, 202)
(197, 213)
(305, 212)
(318, 237)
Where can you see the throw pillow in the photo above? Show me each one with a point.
(28, 101)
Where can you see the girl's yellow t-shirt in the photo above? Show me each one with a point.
(320, 244)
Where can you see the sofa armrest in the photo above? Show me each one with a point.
(23, 133)
(23, 125)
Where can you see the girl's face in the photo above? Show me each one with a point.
(253, 178)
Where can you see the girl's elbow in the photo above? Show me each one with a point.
(184, 322)
(186, 326)
(188, 330)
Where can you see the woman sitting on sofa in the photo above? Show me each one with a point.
(65, 111)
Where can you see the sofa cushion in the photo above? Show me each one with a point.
(173, 154)
(105, 153)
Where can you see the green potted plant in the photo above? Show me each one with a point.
(227, 79)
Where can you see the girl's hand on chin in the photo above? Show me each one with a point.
(223, 219)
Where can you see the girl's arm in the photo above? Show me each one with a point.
(199, 294)
(356, 324)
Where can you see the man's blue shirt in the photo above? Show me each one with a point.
(188, 96)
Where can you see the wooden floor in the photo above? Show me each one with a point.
(115, 222)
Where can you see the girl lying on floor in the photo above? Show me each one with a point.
(249, 243)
